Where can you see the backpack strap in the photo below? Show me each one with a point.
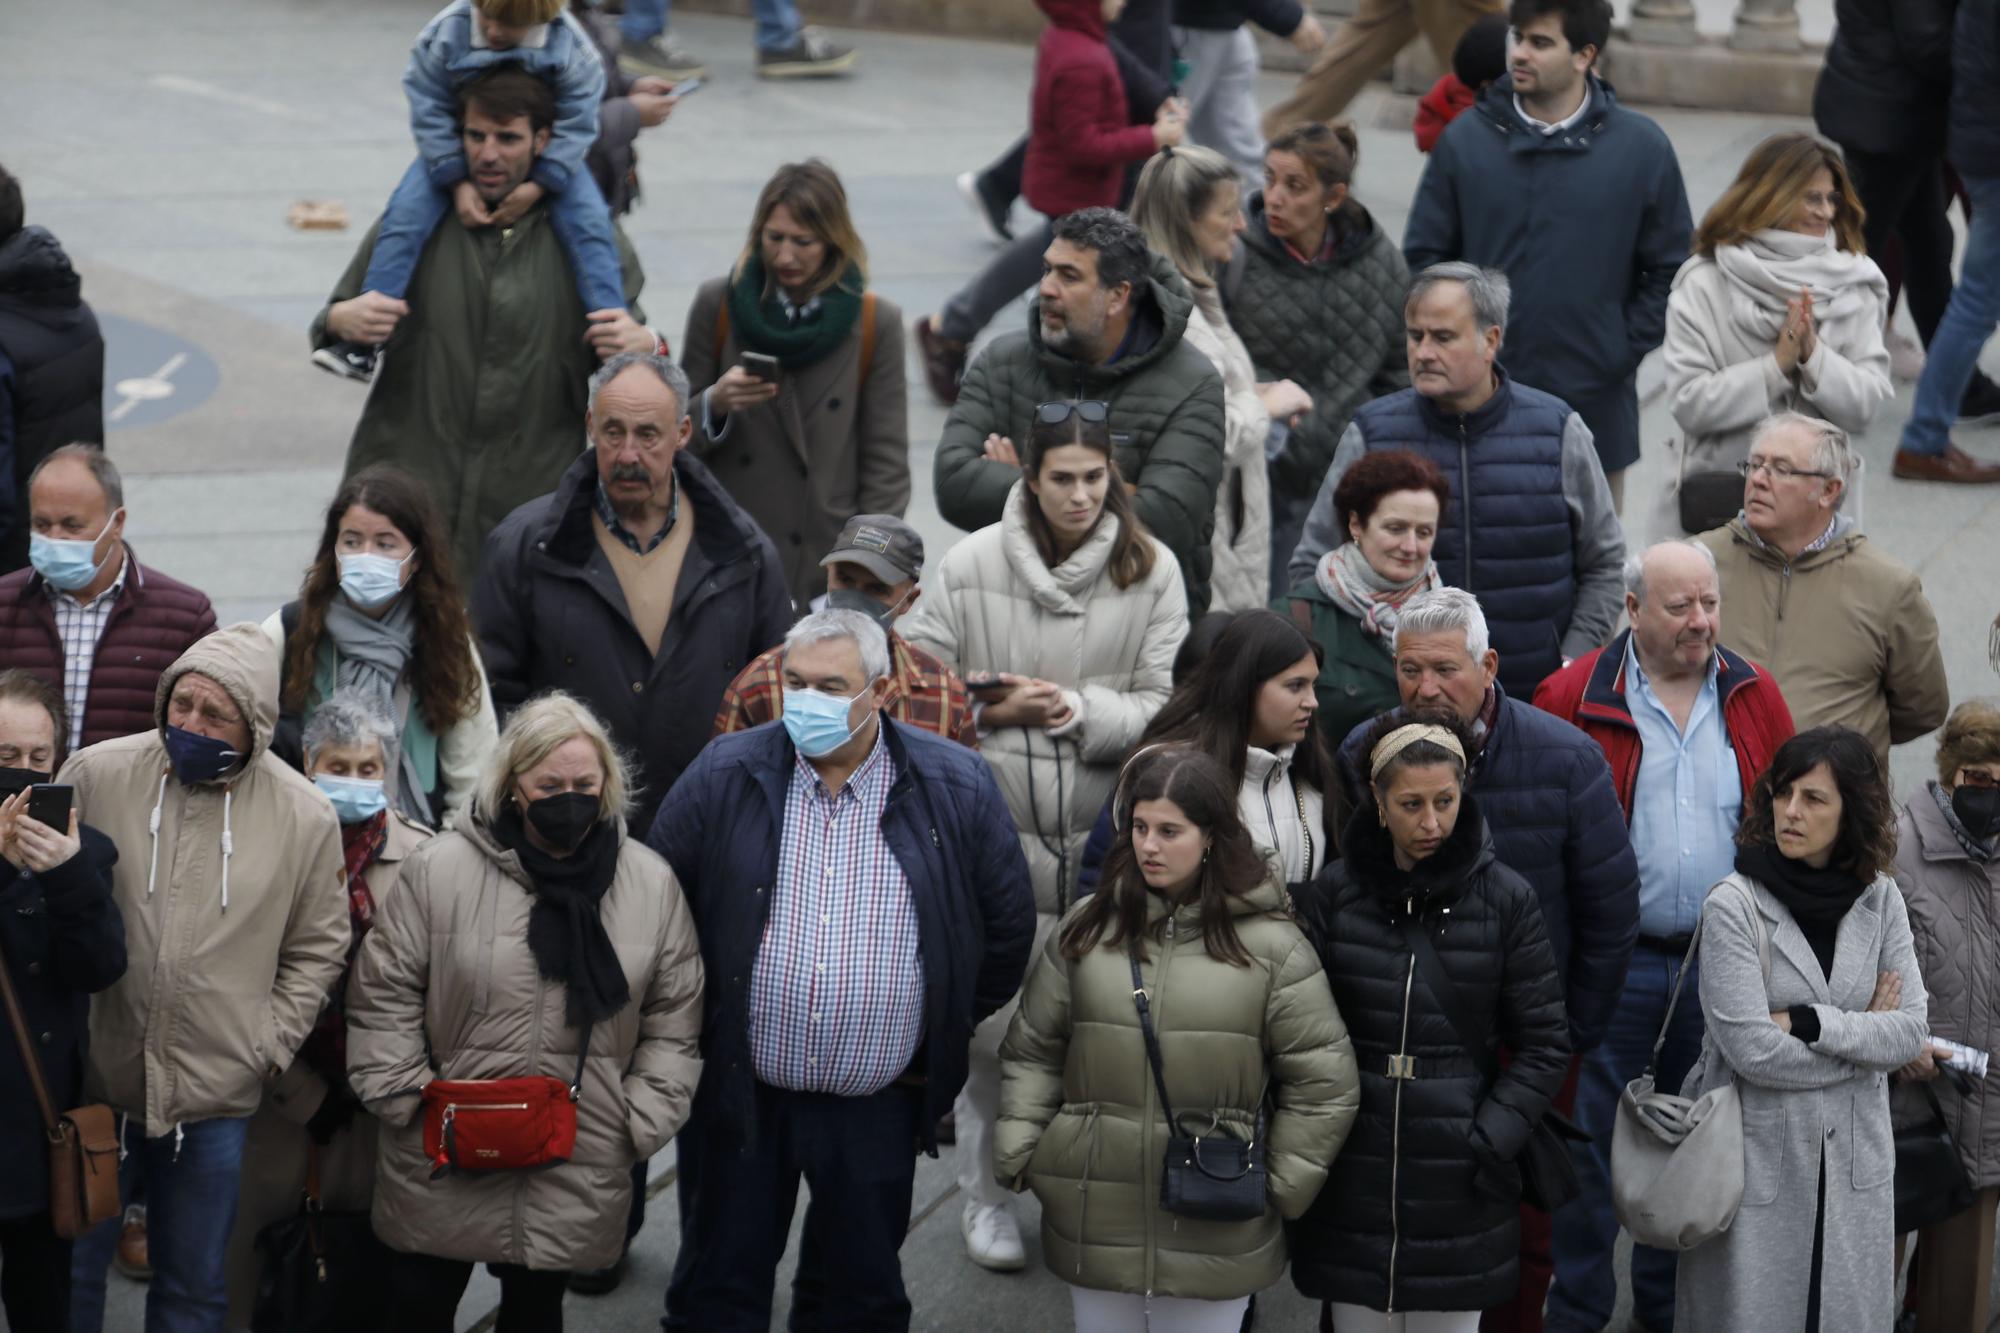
(721, 325)
(1302, 616)
(867, 334)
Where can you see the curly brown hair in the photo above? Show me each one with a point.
(1866, 844)
(1381, 472)
(444, 676)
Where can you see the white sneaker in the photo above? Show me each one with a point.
(993, 1237)
(1906, 355)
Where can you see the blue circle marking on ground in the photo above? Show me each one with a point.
(151, 374)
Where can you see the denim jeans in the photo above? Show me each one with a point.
(581, 218)
(777, 21)
(191, 1182)
(1968, 322)
(1585, 1290)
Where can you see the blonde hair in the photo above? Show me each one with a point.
(521, 13)
(815, 196)
(532, 735)
(1177, 186)
(1767, 190)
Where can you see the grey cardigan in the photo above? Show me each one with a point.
(1803, 1106)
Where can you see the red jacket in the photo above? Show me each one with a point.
(153, 622)
(1590, 693)
(1079, 139)
(1439, 107)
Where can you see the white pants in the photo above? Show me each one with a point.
(1221, 91)
(1361, 1319)
(978, 1105)
(1117, 1312)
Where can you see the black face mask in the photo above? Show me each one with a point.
(564, 819)
(13, 780)
(1978, 808)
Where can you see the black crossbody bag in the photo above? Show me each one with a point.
(1213, 1175)
(1548, 1177)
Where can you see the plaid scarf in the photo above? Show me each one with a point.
(1354, 585)
(325, 1048)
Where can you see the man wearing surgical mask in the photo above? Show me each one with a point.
(862, 902)
(86, 616)
(873, 568)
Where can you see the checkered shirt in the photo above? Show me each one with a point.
(923, 692)
(837, 992)
(81, 625)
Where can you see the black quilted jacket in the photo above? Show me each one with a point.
(1420, 1210)
(1334, 328)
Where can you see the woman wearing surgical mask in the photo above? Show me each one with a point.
(1948, 867)
(1063, 618)
(381, 614)
(534, 933)
(311, 1111)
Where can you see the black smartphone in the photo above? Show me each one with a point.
(985, 684)
(760, 366)
(49, 804)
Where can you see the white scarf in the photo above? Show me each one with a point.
(1767, 268)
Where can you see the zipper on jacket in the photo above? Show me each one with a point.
(1465, 491)
(1400, 1071)
(1271, 817)
(454, 1109)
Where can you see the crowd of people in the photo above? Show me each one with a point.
(1276, 835)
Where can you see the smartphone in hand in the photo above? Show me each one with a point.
(760, 366)
(49, 804)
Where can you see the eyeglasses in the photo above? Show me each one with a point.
(1976, 777)
(1090, 409)
(1750, 467)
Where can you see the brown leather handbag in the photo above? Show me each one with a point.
(83, 1143)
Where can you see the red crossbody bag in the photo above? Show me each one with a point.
(502, 1124)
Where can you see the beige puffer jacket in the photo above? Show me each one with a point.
(235, 907)
(993, 605)
(1080, 1121)
(446, 987)
(1241, 546)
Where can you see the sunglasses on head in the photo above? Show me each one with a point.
(1090, 409)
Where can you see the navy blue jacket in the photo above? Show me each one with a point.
(1546, 792)
(51, 373)
(1590, 226)
(948, 827)
(63, 940)
(1887, 78)
(1974, 142)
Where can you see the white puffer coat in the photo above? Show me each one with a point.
(1240, 579)
(993, 605)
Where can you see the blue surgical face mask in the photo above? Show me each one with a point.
(371, 580)
(67, 565)
(355, 800)
(197, 758)
(817, 723)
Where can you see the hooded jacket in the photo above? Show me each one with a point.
(446, 987)
(1080, 135)
(1166, 424)
(1846, 631)
(1081, 1122)
(1421, 1209)
(993, 605)
(234, 896)
(51, 372)
(1333, 327)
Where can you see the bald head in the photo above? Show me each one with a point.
(1674, 598)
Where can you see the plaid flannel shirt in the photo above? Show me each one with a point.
(923, 692)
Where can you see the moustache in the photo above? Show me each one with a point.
(630, 472)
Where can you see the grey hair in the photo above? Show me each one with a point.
(102, 469)
(1488, 289)
(670, 375)
(1635, 565)
(1443, 611)
(1832, 453)
(348, 718)
(838, 623)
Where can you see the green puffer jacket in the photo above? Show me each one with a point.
(1334, 328)
(1357, 678)
(1166, 425)
(1080, 1122)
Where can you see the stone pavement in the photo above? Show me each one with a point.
(165, 144)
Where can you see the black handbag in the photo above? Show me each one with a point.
(1931, 1184)
(1210, 1175)
(1548, 1175)
(320, 1272)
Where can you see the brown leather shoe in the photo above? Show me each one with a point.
(1954, 464)
(944, 361)
(132, 1259)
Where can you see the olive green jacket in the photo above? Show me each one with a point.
(1357, 679)
(1081, 1125)
(481, 390)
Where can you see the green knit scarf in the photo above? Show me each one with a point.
(760, 323)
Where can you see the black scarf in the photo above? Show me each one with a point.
(1439, 880)
(565, 932)
(1817, 899)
